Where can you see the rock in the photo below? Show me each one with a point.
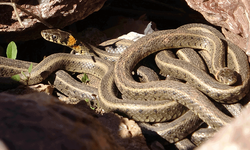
(39, 121)
(234, 136)
(126, 132)
(53, 13)
(231, 15)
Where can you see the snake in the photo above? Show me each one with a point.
(99, 68)
(159, 90)
(67, 39)
(164, 129)
(166, 95)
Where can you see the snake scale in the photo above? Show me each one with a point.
(149, 102)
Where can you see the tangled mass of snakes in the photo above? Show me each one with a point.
(199, 71)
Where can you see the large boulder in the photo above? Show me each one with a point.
(53, 14)
(39, 121)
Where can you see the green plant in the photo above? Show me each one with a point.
(29, 70)
(87, 101)
(11, 53)
(85, 78)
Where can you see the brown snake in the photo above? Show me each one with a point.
(156, 96)
(165, 129)
(160, 90)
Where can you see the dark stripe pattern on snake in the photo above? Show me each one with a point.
(149, 102)
(186, 95)
(190, 56)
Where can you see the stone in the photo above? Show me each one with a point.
(39, 121)
(234, 136)
(126, 132)
(53, 14)
(231, 15)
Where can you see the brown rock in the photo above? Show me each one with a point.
(126, 132)
(53, 13)
(39, 121)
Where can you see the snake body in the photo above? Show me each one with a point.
(164, 129)
(150, 101)
(166, 39)
(153, 112)
(175, 90)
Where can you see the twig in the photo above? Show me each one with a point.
(14, 5)
(35, 16)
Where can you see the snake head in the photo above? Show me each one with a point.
(67, 39)
(59, 37)
(226, 76)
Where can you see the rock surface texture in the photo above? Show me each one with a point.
(234, 136)
(231, 15)
(39, 121)
(54, 13)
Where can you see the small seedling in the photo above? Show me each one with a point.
(11, 53)
(87, 101)
(29, 70)
(85, 78)
(16, 77)
(30, 67)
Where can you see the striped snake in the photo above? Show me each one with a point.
(149, 102)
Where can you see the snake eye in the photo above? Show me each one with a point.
(54, 37)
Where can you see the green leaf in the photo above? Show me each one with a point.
(16, 77)
(92, 108)
(85, 78)
(87, 101)
(24, 75)
(11, 50)
(30, 67)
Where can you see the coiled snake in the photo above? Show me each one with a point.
(149, 102)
